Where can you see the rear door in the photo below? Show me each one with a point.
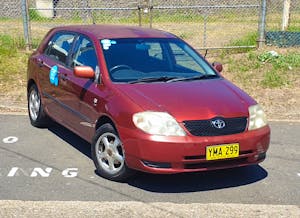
(52, 68)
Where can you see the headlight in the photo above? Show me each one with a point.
(157, 123)
(257, 117)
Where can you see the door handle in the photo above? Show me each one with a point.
(40, 62)
(64, 77)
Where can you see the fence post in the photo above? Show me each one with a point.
(26, 24)
(262, 24)
(205, 30)
(140, 14)
(286, 15)
(150, 5)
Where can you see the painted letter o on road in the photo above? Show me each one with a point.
(10, 140)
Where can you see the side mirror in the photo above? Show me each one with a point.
(218, 66)
(84, 72)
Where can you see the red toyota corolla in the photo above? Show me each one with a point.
(145, 100)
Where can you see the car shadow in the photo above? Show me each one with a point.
(175, 183)
(200, 181)
(71, 138)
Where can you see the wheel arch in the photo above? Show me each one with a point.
(103, 120)
(30, 83)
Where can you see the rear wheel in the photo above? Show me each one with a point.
(35, 108)
(108, 154)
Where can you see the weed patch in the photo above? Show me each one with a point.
(273, 79)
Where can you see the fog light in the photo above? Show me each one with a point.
(261, 156)
(156, 164)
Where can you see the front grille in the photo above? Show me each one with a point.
(206, 128)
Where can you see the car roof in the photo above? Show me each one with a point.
(116, 31)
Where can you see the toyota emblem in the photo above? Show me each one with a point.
(219, 124)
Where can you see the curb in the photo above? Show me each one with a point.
(132, 209)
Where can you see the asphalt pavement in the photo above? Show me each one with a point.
(41, 167)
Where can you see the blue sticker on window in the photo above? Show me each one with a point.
(53, 75)
(106, 43)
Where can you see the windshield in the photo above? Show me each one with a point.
(153, 60)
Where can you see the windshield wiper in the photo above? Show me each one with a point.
(153, 79)
(198, 77)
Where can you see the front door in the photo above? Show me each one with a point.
(81, 96)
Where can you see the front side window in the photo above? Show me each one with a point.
(85, 54)
(59, 46)
(153, 60)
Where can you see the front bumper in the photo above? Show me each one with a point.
(167, 155)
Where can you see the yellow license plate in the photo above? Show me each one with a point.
(216, 152)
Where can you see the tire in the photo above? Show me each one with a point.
(108, 154)
(35, 108)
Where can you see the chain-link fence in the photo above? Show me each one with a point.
(278, 32)
(203, 23)
(210, 23)
(11, 18)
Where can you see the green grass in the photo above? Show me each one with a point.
(274, 79)
(293, 29)
(281, 66)
(264, 70)
(13, 63)
(9, 46)
(248, 40)
(158, 16)
(175, 16)
(35, 16)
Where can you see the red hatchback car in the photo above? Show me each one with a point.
(145, 100)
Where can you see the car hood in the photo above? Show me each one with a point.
(192, 100)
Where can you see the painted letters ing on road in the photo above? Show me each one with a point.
(38, 172)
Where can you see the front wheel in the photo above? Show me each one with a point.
(108, 154)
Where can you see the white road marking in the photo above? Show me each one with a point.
(10, 139)
(38, 172)
(298, 174)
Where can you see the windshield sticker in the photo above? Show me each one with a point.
(106, 43)
(53, 75)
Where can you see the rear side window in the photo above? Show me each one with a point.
(155, 50)
(59, 46)
(184, 59)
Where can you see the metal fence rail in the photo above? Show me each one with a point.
(206, 24)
